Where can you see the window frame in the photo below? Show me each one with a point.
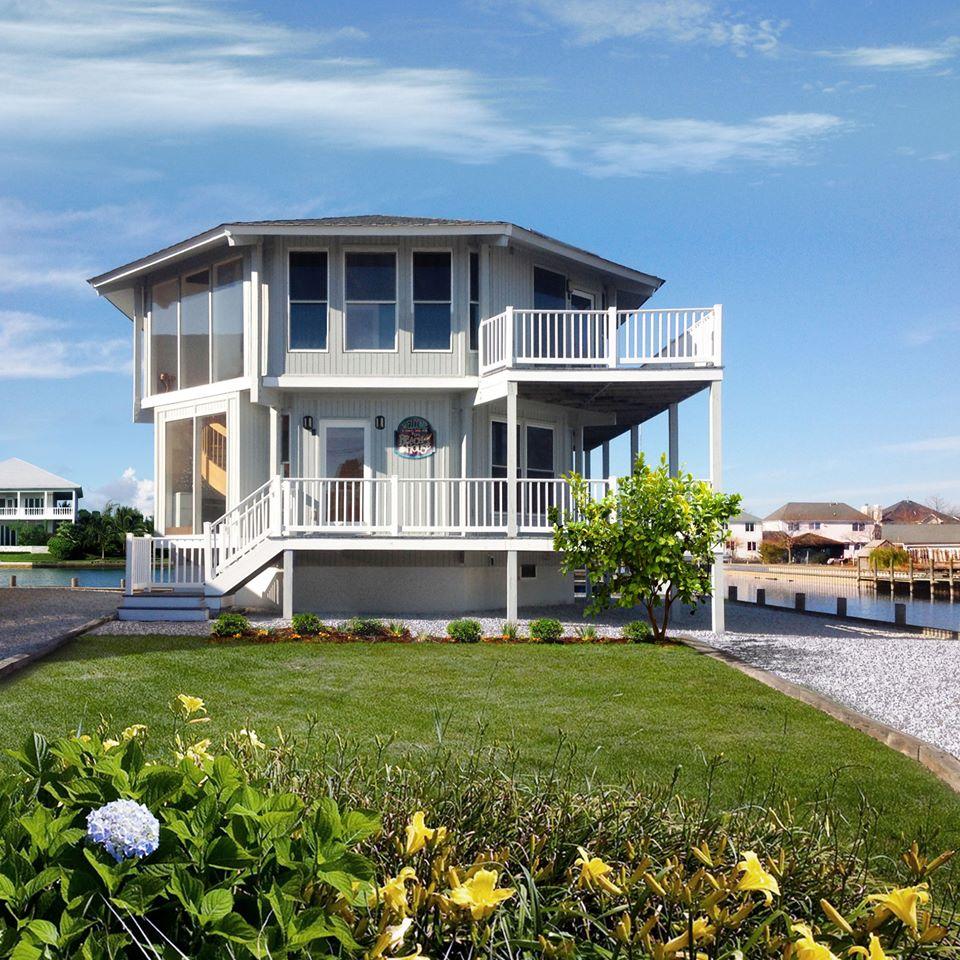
(522, 425)
(470, 301)
(413, 302)
(344, 253)
(534, 267)
(299, 249)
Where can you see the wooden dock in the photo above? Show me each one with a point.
(931, 575)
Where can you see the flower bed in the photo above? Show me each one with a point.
(111, 846)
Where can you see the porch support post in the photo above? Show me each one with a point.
(512, 461)
(512, 586)
(578, 450)
(605, 468)
(716, 481)
(74, 517)
(673, 425)
(287, 584)
(466, 443)
(587, 466)
(634, 446)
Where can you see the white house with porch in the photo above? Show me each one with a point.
(34, 496)
(373, 414)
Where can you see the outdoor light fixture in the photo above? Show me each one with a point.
(308, 423)
(380, 422)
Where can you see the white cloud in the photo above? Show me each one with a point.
(34, 347)
(679, 21)
(898, 57)
(128, 490)
(947, 444)
(158, 70)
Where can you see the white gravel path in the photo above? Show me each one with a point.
(903, 679)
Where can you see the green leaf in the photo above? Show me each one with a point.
(215, 905)
(25, 950)
(44, 931)
(234, 927)
(224, 852)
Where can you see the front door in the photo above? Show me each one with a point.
(344, 462)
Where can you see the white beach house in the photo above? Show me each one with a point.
(745, 536)
(30, 495)
(372, 414)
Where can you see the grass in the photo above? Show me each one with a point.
(43, 560)
(629, 711)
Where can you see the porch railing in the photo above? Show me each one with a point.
(165, 563)
(601, 338)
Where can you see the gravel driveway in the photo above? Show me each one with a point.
(31, 617)
(905, 680)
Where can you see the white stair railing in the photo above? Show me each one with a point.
(165, 563)
(241, 528)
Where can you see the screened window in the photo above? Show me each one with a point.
(549, 290)
(539, 453)
(227, 321)
(164, 311)
(474, 300)
(195, 329)
(308, 300)
(371, 301)
(431, 301)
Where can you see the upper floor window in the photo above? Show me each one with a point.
(748, 527)
(549, 290)
(431, 301)
(815, 525)
(793, 527)
(474, 300)
(859, 527)
(196, 328)
(371, 301)
(308, 300)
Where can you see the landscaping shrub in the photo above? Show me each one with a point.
(773, 552)
(33, 535)
(546, 630)
(586, 632)
(366, 627)
(64, 544)
(397, 630)
(511, 631)
(464, 631)
(230, 625)
(637, 631)
(112, 847)
(882, 557)
(307, 624)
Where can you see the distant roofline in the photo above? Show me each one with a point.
(818, 511)
(51, 480)
(236, 234)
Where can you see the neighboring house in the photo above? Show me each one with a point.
(909, 511)
(372, 414)
(831, 525)
(746, 533)
(32, 495)
(939, 541)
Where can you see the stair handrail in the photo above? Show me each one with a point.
(220, 551)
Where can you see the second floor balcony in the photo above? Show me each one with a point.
(611, 338)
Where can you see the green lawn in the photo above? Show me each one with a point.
(43, 560)
(630, 710)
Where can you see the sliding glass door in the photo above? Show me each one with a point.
(195, 473)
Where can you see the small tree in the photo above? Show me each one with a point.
(651, 541)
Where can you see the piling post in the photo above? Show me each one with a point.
(13, 579)
(841, 606)
(900, 614)
(74, 583)
(732, 592)
(761, 597)
(800, 601)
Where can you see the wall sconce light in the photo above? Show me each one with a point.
(380, 422)
(308, 423)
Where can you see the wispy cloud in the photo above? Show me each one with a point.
(209, 72)
(948, 444)
(678, 21)
(35, 347)
(932, 330)
(898, 57)
(128, 490)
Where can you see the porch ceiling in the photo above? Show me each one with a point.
(630, 402)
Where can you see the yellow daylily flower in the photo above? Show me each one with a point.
(109, 744)
(902, 903)
(198, 753)
(874, 953)
(190, 705)
(251, 736)
(392, 939)
(594, 873)
(418, 833)
(393, 892)
(702, 929)
(133, 731)
(756, 878)
(480, 894)
(807, 948)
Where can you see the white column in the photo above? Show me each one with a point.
(587, 465)
(466, 446)
(673, 424)
(512, 460)
(578, 450)
(512, 585)
(74, 516)
(716, 481)
(605, 461)
(287, 584)
(634, 446)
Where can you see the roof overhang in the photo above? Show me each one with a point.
(117, 285)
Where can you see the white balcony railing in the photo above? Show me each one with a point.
(601, 338)
(36, 513)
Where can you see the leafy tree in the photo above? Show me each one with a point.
(649, 541)
(31, 534)
(66, 543)
(776, 551)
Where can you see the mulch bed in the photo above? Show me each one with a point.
(333, 635)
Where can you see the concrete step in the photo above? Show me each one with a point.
(168, 614)
(168, 601)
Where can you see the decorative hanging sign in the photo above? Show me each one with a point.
(414, 439)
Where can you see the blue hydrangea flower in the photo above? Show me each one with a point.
(124, 828)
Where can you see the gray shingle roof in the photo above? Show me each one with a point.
(17, 474)
(927, 534)
(744, 517)
(816, 512)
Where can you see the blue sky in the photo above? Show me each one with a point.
(798, 162)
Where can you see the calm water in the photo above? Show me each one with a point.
(862, 599)
(61, 576)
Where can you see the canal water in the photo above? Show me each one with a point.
(60, 577)
(863, 600)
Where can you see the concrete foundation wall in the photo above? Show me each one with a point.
(429, 583)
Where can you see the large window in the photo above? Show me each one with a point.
(549, 290)
(474, 300)
(535, 461)
(431, 301)
(308, 300)
(178, 477)
(539, 453)
(196, 328)
(195, 473)
(371, 301)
